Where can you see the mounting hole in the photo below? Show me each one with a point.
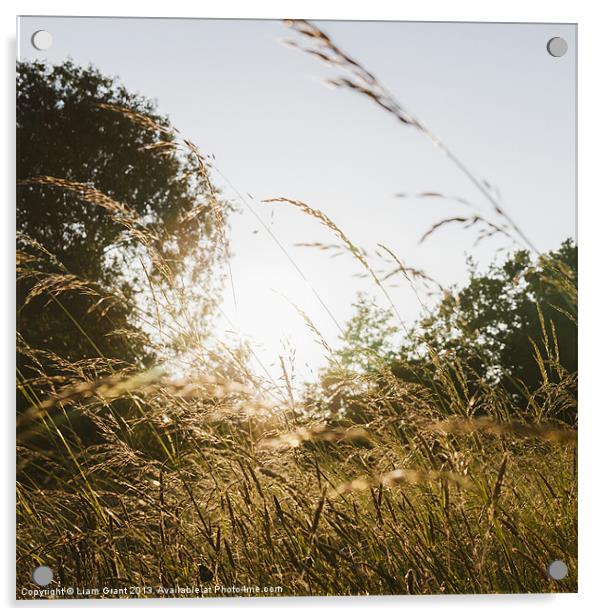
(41, 40)
(557, 47)
(42, 576)
(557, 570)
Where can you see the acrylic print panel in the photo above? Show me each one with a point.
(297, 308)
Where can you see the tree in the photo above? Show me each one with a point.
(513, 326)
(369, 337)
(87, 130)
(508, 317)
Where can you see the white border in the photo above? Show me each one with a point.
(583, 12)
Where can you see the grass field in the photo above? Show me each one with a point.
(137, 480)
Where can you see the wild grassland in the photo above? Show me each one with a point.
(134, 477)
(186, 482)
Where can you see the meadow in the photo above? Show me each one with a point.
(157, 459)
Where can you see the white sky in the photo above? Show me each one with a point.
(490, 92)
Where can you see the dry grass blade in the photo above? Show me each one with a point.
(327, 222)
(437, 195)
(512, 428)
(140, 119)
(499, 480)
(55, 284)
(355, 251)
(118, 385)
(119, 212)
(321, 46)
(290, 440)
(336, 249)
(400, 476)
(312, 327)
(174, 141)
(107, 388)
(87, 192)
(408, 272)
(490, 228)
(356, 78)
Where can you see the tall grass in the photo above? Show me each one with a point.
(204, 475)
(216, 478)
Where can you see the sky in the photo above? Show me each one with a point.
(490, 92)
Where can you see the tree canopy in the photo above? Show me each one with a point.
(508, 316)
(513, 325)
(101, 180)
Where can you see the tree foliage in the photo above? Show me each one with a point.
(508, 316)
(513, 326)
(64, 132)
